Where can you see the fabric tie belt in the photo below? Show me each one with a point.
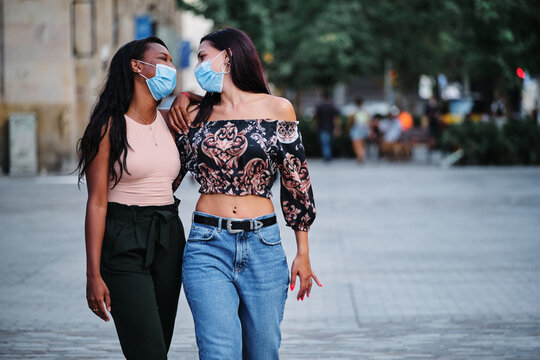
(158, 231)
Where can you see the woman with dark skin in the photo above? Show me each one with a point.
(134, 237)
(235, 273)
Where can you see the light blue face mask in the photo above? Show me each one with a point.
(207, 78)
(163, 83)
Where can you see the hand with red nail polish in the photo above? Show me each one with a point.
(301, 267)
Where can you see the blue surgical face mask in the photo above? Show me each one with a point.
(207, 78)
(163, 83)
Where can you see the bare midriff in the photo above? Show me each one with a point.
(235, 206)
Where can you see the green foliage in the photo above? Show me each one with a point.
(341, 146)
(491, 38)
(310, 137)
(483, 143)
(524, 141)
(318, 43)
(302, 43)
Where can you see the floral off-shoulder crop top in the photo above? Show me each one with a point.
(242, 157)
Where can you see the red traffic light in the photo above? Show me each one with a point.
(520, 73)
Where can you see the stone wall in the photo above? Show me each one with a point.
(42, 72)
(54, 145)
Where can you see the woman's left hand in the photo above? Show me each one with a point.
(301, 267)
(177, 117)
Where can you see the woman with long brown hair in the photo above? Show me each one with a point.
(235, 271)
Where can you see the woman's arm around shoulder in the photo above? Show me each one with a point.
(181, 113)
(182, 140)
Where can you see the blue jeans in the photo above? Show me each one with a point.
(326, 145)
(236, 286)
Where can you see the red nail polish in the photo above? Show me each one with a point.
(307, 295)
(292, 287)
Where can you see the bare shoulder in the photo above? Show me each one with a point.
(105, 129)
(280, 108)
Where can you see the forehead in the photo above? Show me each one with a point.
(206, 46)
(154, 49)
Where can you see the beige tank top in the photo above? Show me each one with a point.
(152, 169)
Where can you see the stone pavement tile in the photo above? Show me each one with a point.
(411, 339)
(418, 338)
(416, 262)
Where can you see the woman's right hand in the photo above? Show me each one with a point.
(97, 294)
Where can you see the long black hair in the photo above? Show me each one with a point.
(112, 104)
(246, 69)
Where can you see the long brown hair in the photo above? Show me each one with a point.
(113, 103)
(246, 69)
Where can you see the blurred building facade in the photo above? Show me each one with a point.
(54, 58)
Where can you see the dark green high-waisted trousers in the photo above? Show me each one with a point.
(141, 263)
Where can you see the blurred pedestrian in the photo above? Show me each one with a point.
(391, 131)
(359, 130)
(498, 111)
(375, 133)
(534, 113)
(134, 237)
(235, 270)
(327, 120)
(433, 114)
(373, 142)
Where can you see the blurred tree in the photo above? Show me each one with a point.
(494, 37)
(319, 43)
(482, 40)
(405, 37)
(487, 40)
(302, 44)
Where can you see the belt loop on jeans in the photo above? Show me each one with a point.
(220, 224)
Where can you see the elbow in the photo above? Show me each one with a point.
(301, 222)
(308, 220)
(97, 201)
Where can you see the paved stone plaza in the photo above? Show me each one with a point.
(417, 262)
